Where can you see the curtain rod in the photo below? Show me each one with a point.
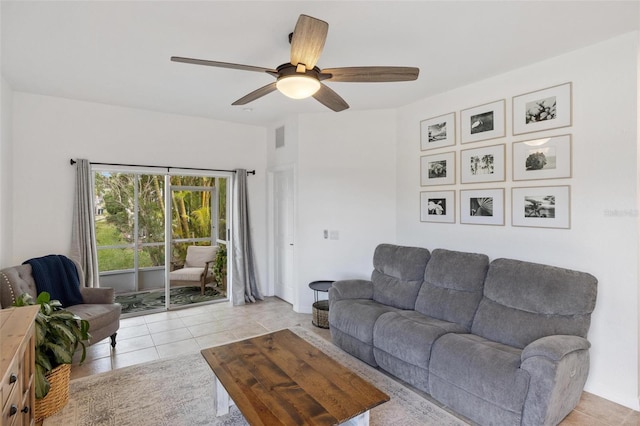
(249, 172)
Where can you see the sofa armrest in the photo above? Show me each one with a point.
(97, 296)
(350, 289)
(555, 347)
(558, 367)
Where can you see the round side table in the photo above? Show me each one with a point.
(320, 308)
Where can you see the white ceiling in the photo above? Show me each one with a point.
(118, 52)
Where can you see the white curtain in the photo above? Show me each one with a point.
(244, 286)
(83, 234)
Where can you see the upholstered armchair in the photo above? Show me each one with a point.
(98, 306)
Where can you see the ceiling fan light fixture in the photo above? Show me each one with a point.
(297, 86)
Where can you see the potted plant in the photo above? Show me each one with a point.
(220, 267)
(58, 333)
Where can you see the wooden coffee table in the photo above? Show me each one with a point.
(280, 379)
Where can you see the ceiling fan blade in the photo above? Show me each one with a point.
(371, 74)
(307, 41)
(330, 99)
(223, 65)
(256, 94)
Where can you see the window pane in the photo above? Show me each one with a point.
(115, 259)
(151, 256)
(151, 209)
(222, 208)
(191, 216)
(114, 207)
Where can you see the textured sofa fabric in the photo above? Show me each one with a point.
(446, 302)
(543, 312)
(98, 307)
(502, 343)
(357, 304)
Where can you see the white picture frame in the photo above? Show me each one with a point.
(483, 122)
(437, 206)
(544, 109)
(481, 165)
(438, 169)
(482, 206)
(542, 158)
(541, 207)
(438, 132)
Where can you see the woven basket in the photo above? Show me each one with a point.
(321, 314)
(58, 395)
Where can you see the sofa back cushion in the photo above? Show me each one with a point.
(525, 301)
(397, 274)
(13, 282)
(452, 287)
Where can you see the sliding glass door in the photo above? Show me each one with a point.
(143, 232)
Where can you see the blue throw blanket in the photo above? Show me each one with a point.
(58, 276)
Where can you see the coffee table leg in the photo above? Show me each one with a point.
(361, 420)
(222, 402)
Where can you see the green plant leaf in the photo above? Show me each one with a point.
(43, 360)
(55, 304)
(65, 315)
(64, 333)
(60, 352)
(42, 385)
(46, 309)
(43, 298)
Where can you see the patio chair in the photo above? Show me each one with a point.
(197, 267)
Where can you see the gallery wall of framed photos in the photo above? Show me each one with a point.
(466, 156)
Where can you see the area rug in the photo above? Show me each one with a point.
(180, 392)
(147, 300)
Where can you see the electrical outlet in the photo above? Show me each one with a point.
(326, 234)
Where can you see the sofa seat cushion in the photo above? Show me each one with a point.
(351, 322)
(356, 317)
(478, 378)
(402, 343)
(408, 335)
(99, 316)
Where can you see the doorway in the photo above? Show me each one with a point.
(284, 225)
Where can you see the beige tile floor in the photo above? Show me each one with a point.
(169, 334)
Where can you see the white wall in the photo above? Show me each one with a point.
(345, 183)
(603, 238)
(6, 168)
(49, 131)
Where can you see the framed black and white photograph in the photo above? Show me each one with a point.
(438, 169)
(483, 122)
(486, 164)
(437, 206)
(541, 207)
(544, 158)
(438, 132)
(542, 110)
(482, 206)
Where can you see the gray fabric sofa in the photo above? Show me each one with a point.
(98, 308)
(501, 342)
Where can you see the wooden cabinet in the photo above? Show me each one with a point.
(17, 365)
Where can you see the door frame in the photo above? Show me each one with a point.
(271, 237)
(214, 239)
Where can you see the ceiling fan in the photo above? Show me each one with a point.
(301, 78)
